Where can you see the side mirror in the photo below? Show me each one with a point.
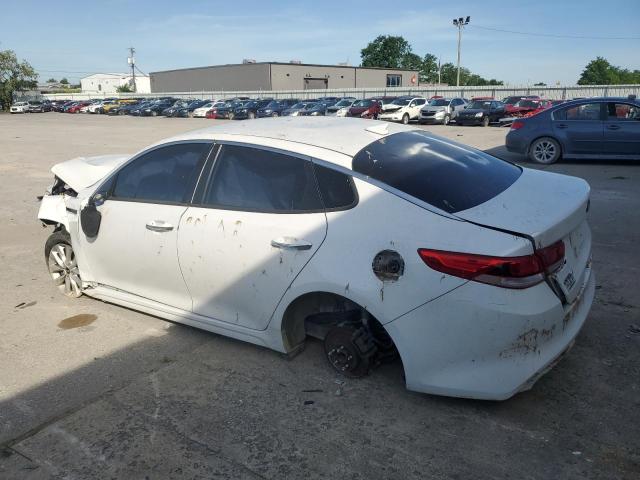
(90, 217)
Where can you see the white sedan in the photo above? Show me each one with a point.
(201, 112)
(377, 238)
(19, 107)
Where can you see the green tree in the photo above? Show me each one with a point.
(124, 89)
(64, 81)
(14, 76)
(601, 72)
(52, 80)
(386, 51)
(540, 84)
(429, 69)
(411, 61)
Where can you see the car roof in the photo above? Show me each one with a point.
(343, 135)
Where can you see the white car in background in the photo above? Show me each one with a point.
(201, 112)
(19, 107)
(403, 109)
(96, 107)
(441, 110)
(340, 108)
(376, 238)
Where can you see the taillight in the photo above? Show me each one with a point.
(552, 257)
(508, 272)
(517, 125)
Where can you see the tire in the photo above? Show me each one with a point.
(251, 116)
(446, 120)
(62, 264)
(405, 119)
(485, 121)
(232, 116)
(154, 113)
(545, 150)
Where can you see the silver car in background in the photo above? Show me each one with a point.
(441, 110)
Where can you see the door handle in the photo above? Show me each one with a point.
(159, 226)
(562, 125)
(290, 243)
(613, 127)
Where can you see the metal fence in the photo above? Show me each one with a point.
(499, 92)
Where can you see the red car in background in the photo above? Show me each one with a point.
(528, 105)
(541, 105)
(367, 108)
(511, 103)
(76, 108)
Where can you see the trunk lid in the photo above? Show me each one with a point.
(82, 172)
(545, 207)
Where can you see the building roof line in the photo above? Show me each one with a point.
(287, 64)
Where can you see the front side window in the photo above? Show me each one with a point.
(587, 111)
(622, 111)
(253, 179)
(394, 80)
(445, 174)
(163, 175)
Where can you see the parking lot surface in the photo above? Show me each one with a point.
(93, 390)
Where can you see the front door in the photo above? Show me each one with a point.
(135, 249)
(580, 128)
(259, 222)
(622, 129)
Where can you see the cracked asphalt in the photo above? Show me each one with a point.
(119, 394)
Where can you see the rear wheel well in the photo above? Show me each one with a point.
(293, 326)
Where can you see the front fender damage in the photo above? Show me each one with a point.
(53, 211)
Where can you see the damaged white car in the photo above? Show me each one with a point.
(379, 239)
(403, 109)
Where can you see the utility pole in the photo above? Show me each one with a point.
(460, 22)
(132, 62)
(439, 72)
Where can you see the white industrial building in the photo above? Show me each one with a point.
(107, 83)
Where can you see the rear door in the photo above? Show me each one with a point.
(622, 129)
(580, 128)
(258, 221)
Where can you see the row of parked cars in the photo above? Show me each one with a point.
(404, 109)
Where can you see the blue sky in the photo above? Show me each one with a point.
(74, 38)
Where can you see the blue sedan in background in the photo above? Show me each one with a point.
(589, 128)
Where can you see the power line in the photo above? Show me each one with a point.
(552, 35)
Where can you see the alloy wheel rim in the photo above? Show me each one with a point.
(63, 268)
(544, 151)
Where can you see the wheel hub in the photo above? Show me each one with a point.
(64, 270)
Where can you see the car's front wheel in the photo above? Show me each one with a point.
(545, 150)
(251, 115)
(446, 119)
(62, 264)
(485, 121)
(405, 118)
(275, 114)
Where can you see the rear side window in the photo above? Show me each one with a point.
(447, 175)
(336, 188)
(253, 179)
(163, 175)
(587, 111)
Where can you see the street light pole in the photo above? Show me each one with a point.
(460, 22)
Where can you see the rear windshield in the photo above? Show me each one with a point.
(445, 174)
